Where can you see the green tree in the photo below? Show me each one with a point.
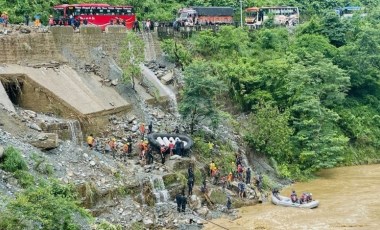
(268, 132)
(315, 88)
(131, 56)
(197, 102)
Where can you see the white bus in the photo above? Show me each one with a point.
(283, 15)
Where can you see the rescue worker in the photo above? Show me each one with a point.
(112, 144)
(190, 184)
(150, 127)
(90, 141)
(178, 199)
(229, 202)
(190, 171)
(183, 201)
(129, 140)
(125, 152)
(149, 156)
(176, 129)
(275, 193)
(229, 180)
(293, 196)
(241, 187)
(211, 168)
(178, 147)
(51, 20)
(142, 129)
(248, 176)
(171, 147)
(162, 153)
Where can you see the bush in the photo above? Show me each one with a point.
(47, 206)
(13, 160)
(24, 178)
(104, 225)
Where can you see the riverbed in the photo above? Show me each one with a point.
(349, 199)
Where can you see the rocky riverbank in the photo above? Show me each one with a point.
(121, 192)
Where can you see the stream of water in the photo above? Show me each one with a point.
(348, 198)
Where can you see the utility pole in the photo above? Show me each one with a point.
(241, 13)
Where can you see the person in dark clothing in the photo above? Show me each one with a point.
(190, 172)
(85, 22)
(229, 202)
(248, 176)
(178, 199)
(150, 127)
(149, 156)
(136, 26)
(26, 17)
(162, 153)
(294, 197)
(178, 147)
(182, 148)
(176, 129)
(129, 140)
(190, 184)
(184, 202)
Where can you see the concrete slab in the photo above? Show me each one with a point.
(85, 94)
(163, 91)
(5, 101)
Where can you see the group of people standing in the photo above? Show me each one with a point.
(147, 25)
(236, 173)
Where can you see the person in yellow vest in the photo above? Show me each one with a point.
(212, 167)
(90, 141)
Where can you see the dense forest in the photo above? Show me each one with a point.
(312, 91)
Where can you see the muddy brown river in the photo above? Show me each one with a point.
(349, 199)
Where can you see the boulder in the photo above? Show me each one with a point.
(148, 222)
(35, 127)
(46, 141)
(203, 211)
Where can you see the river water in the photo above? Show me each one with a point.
(349, 199)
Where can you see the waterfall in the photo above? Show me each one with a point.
(159, 190)
(75, 131)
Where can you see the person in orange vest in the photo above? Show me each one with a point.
(142, 129)
(229, 180)
(125, 152)
(112, 144)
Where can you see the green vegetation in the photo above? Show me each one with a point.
(312, 92)
(44, 203)
(48, 205)
(131, 57)
(13, 160)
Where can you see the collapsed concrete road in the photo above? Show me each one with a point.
(63, 85)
